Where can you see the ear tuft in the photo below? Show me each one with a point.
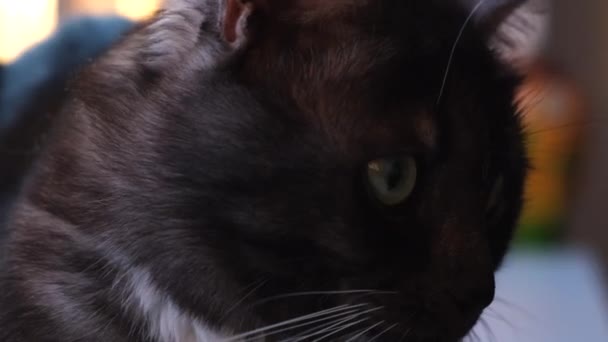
(521, 37)
(516, 29)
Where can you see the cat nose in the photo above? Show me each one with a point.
(483, 297)
(477, 295)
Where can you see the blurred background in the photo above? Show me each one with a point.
(553, 286)
(26, 22)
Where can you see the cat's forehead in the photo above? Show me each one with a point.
(372, 74)
(403, 110)
(363, 134)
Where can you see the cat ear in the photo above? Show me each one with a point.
(175, 32)
(515, 29)
(234, 21)
(231, 16)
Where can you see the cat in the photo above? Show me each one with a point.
(33, 88)
(276, 170)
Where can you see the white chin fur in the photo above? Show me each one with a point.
(166, 322)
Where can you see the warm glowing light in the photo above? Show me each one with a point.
(90, 7)
(136, 9)
(24, 23)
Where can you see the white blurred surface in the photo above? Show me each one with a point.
(548, 296)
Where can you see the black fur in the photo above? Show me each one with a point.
(247, 177)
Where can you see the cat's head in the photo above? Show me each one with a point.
(361, 157)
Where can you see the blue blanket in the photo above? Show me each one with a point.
(73, 44)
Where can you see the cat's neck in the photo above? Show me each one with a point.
(166, 321)
(93, 289)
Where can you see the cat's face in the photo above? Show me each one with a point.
(337, 179)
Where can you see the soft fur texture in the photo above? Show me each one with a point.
(206, 180)
(33, 88)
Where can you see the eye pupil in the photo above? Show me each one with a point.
(394, 175)
(391, 180)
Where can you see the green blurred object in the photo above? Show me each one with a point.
(552, 109)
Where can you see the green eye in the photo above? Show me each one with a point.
(392, 180)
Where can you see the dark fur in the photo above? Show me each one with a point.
(30, 100)
(250, 173)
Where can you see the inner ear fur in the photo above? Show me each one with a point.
(235, 23)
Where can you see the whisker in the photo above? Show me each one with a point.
(341, 329)
(320, 330)
(361, 333)
(516, 307)
(488, 329)
(334, 310)
(407, 332)
(319, 293)
(351, 334)
(453, 52)
(325, 326)
(474, 336)
(240, 301)
(334, 318)
(310, 333)
(499, 317)
(383, 332)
